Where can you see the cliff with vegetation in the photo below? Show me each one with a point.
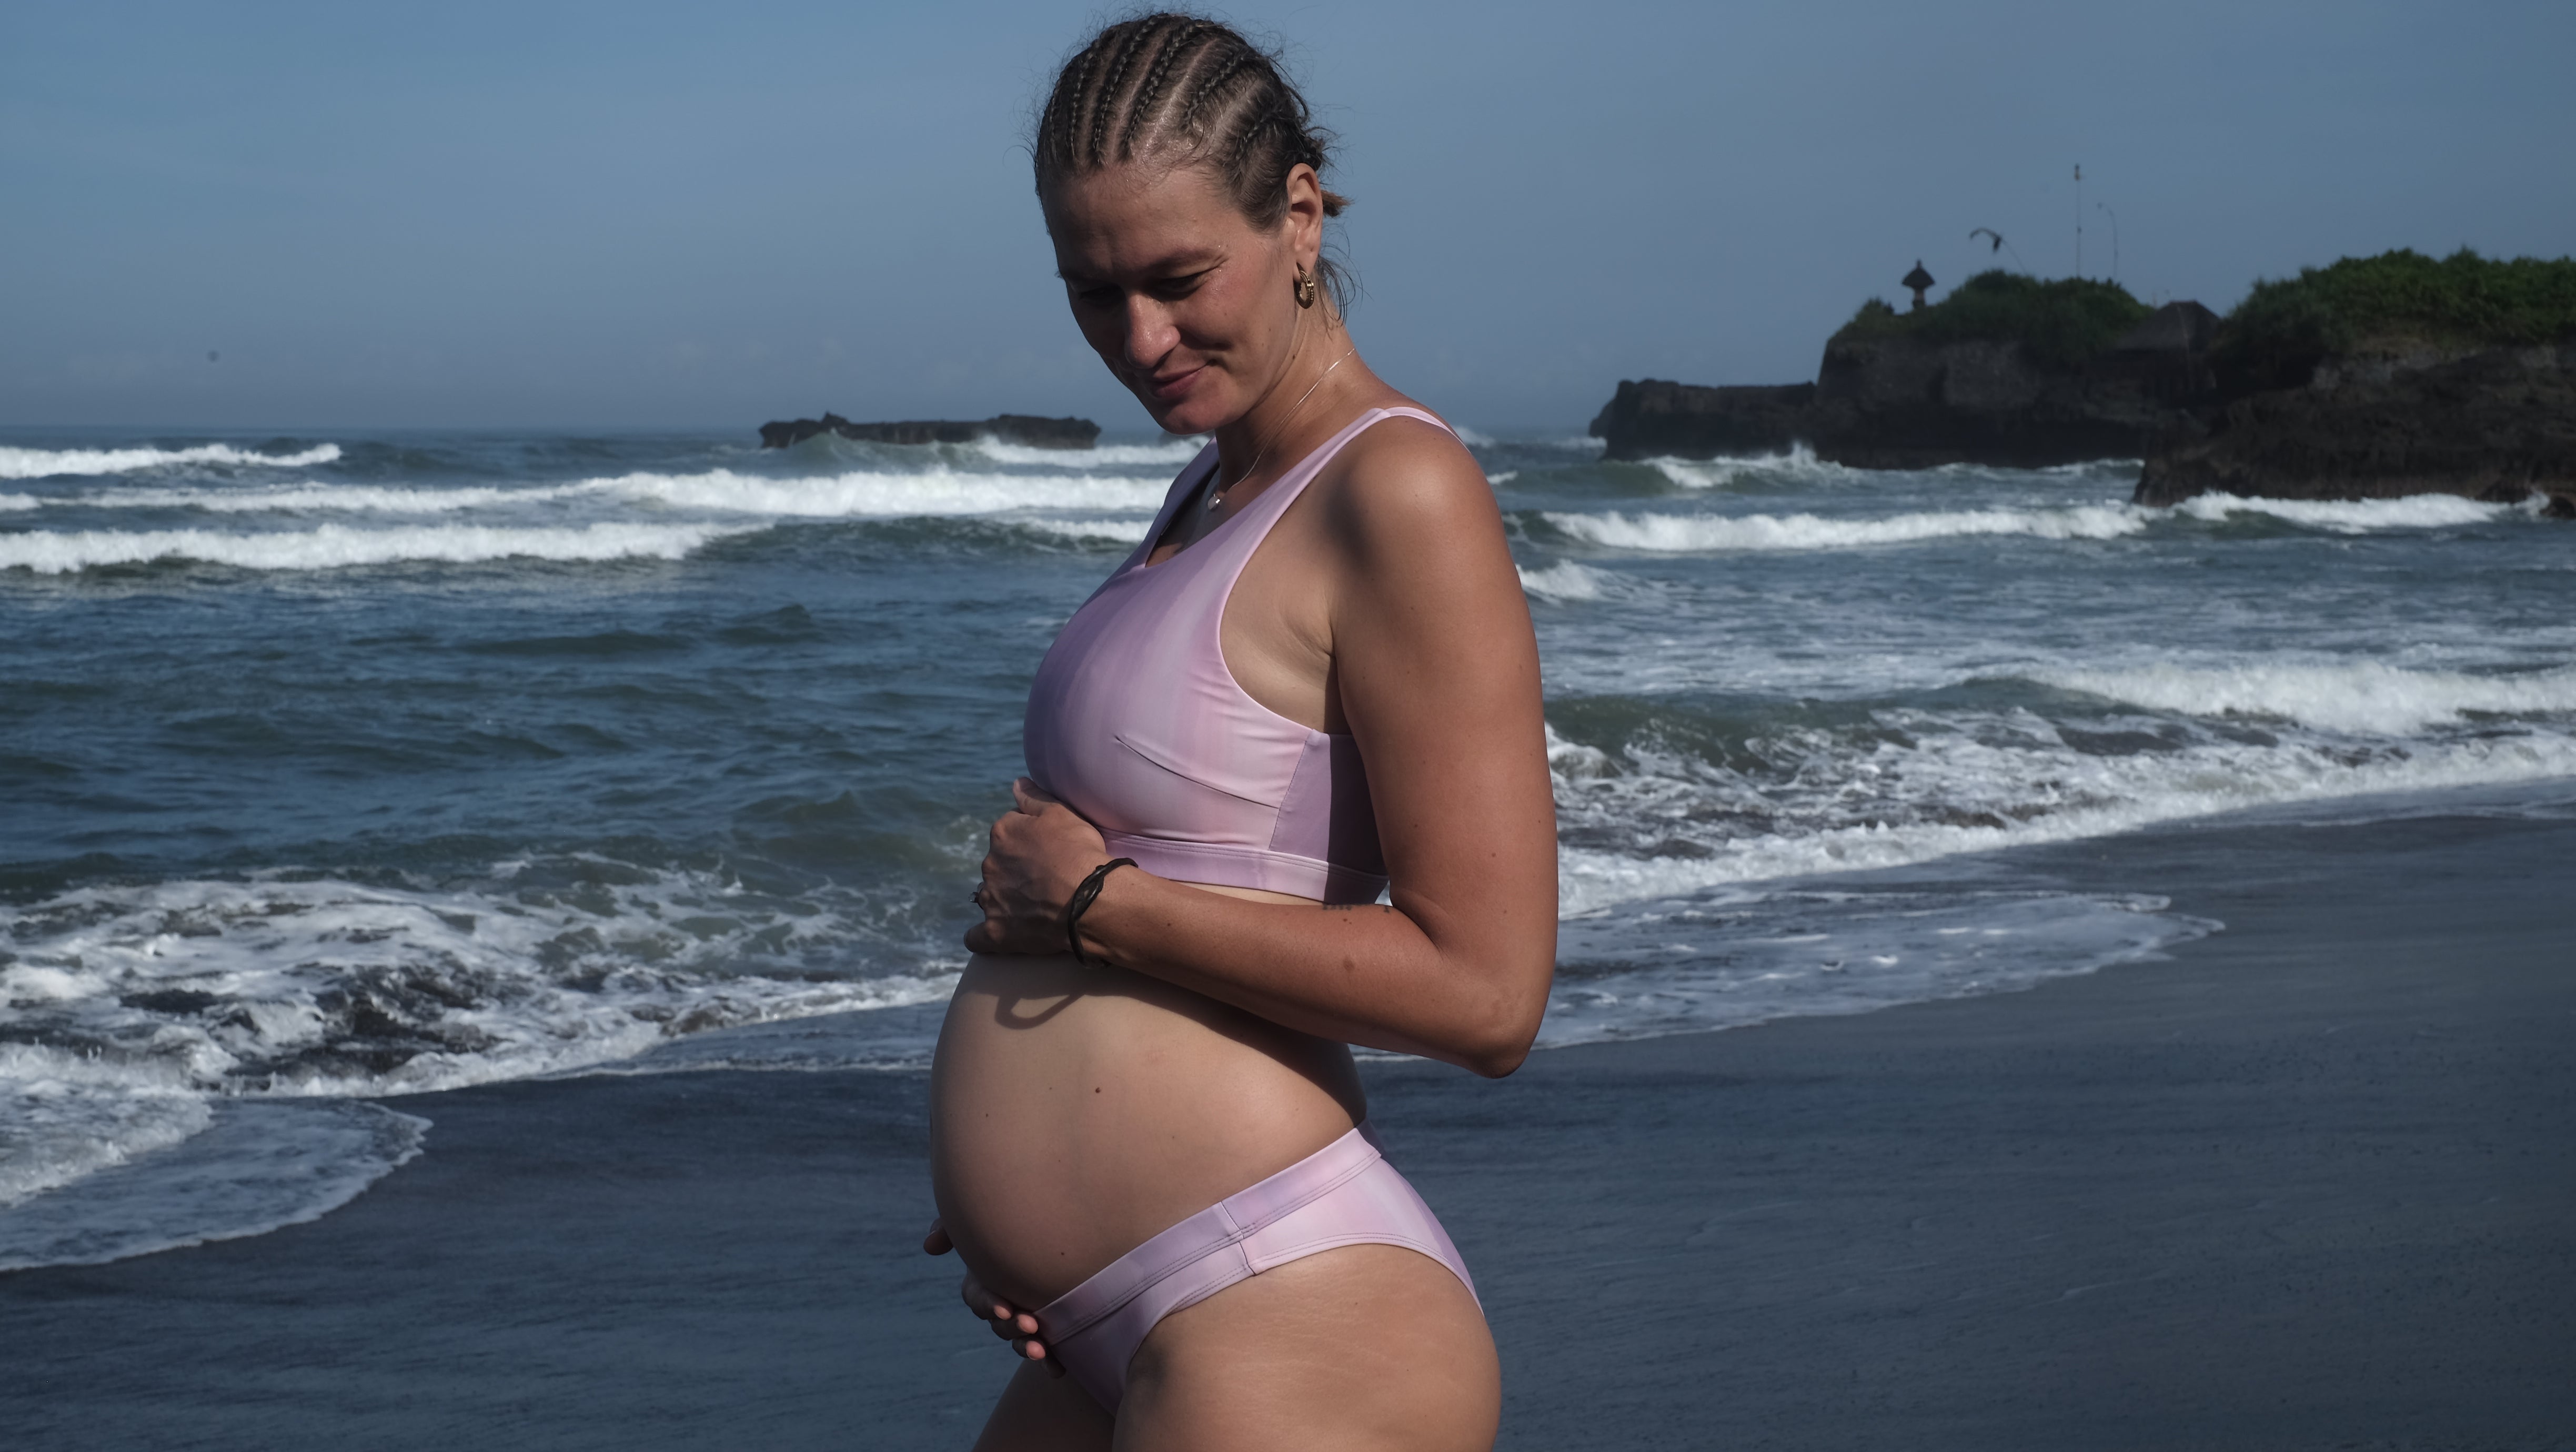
(2388, 375)
(2395, 374)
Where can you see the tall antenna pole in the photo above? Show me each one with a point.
(2079, 219)
(2115, 238)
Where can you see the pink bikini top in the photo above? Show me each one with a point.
(1136, 723)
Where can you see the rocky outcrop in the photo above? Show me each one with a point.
(1009, 428)
(2497, 425)
(1900, 402)
(1649, 418)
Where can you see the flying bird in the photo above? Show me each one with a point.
(1995, 243)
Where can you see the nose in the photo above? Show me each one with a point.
(1150, 332)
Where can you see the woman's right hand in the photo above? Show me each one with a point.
(1040, 851)
(1008, 1321)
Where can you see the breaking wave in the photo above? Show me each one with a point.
(1564, 580)
(931, 493)
(331, 547)
(1171, 453)
(1105, 531)
(2350, 516)
(1799, 464)
(839, 496)
(46, 463)
(1697, 533)
(1681, 533)
(2360, 697)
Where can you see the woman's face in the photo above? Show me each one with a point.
(1190, 305)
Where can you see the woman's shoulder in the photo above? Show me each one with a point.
(1405, 479)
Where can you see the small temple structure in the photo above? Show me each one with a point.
(1918, 280)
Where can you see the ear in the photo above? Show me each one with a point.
(1304, 220)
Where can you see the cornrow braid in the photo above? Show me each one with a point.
(1211, 85)
(1149, 92)
(1055, 131)
(1107, 96)
(1194, 92)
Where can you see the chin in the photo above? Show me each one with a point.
(1192, 415)
(1200, 411)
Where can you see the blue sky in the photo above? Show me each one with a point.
(650, 214)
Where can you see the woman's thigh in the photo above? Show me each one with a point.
(1043, 1412)
(1368, 1346)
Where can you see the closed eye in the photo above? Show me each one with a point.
(1161, 289)
(1173, 289)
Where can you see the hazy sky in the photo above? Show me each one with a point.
(641, 214)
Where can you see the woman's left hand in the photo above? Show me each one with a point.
(1041, 850)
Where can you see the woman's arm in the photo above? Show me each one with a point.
(1437, 671)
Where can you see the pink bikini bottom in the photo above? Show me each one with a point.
(1343, 1194)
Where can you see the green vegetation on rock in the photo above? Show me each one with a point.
(2062, 323)
(2392, 302)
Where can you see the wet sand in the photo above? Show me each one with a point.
(2310, 1183)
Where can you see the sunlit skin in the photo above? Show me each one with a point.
(1076, 1112)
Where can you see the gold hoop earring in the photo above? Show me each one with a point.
(1305, 288)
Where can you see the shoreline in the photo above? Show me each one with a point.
(2303, 1183)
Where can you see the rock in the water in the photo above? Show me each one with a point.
(1650, 417)
(1009, 428)
(2498, 425)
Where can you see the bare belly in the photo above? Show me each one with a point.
(1075, 1112)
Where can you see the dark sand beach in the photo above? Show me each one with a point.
(2309, 1183)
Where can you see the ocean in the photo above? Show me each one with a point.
(338, 769)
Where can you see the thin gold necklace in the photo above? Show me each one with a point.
(1216, 497)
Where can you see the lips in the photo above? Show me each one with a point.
(1175, 385)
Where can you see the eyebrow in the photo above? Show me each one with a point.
(1180, 264)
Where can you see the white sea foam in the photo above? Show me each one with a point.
(1113, 531)
(1684, 533)
(326, 499)
(47, 463)
(257, 1166)
(2351, 516)
(1799, 464)
(887, 495)
(1690, 533)
(20, 501)
(330, 547)
(74, 1114)
(1564, 580)
(1169, 453)
(1730, 957)
(880, 494)
(1472, 438)
(156, 1002)
(1920, 786)
(2363, 697)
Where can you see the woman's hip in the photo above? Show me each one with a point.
(1342, 1196)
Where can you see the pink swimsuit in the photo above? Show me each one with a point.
(1136, 723)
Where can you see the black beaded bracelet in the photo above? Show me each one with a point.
(1080, 903)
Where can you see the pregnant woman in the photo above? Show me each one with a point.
(1312, 686)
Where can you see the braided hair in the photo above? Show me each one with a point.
(1190, 89)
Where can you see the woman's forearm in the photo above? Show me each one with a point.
(1466, 994)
